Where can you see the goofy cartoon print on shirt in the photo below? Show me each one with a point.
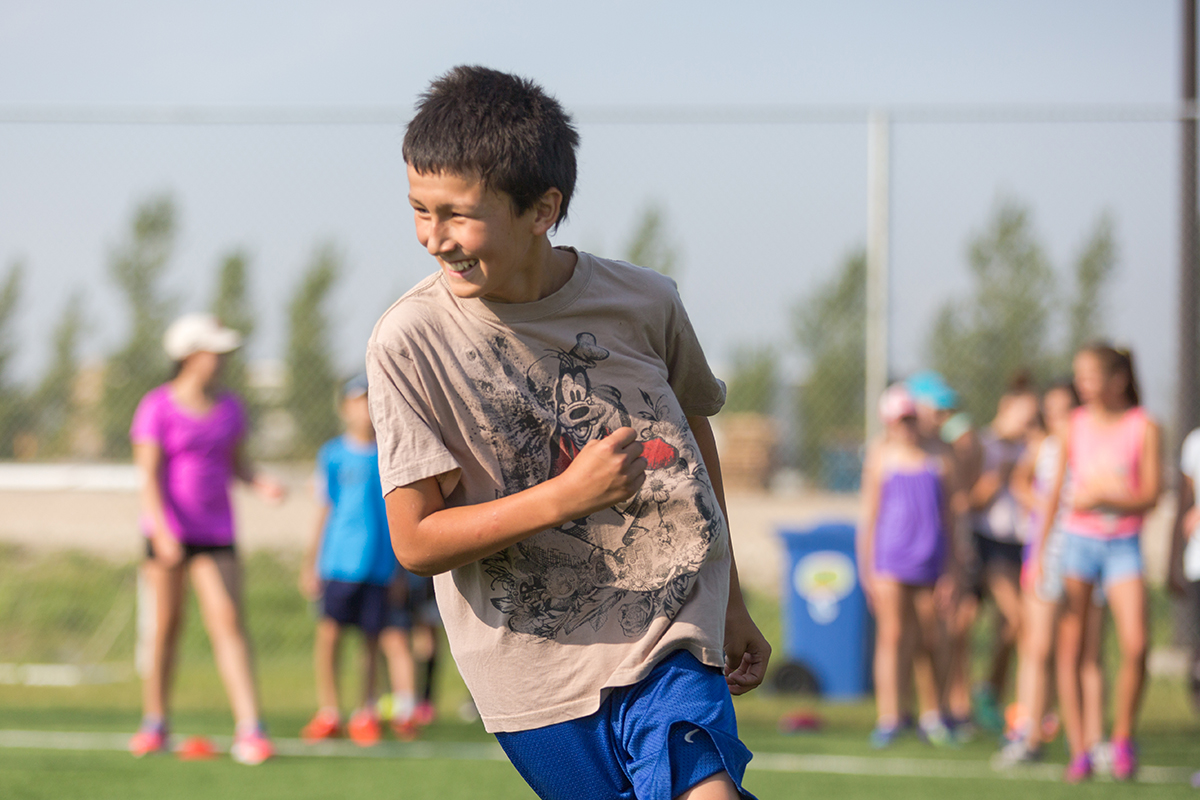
(620, 568)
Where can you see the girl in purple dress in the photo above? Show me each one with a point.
(187, 444)
(904, 550)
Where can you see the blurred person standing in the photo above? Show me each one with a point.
(1112, 456)
(1184, 567)
(350, 569)
(904, 552)
(942, 423)
(1033, 723)
(188, 437)
(996, 535)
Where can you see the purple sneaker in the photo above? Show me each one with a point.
(1079, 770)
(1124, 759)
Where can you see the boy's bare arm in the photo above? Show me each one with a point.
(430, 538)
(310, 582)
(747, 651)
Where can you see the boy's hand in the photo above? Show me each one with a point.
(309, 583)
(605, 472)
(746, 651)
(269, 489)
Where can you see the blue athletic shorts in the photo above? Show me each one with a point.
(650, 741)
(363, 605)
(1103, 562)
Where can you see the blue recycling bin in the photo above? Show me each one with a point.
(828, 634)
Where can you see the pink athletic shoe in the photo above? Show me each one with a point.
(150, 738)
(1124, 759)
(251, 748)
(1079, 770)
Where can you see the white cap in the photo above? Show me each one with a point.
(199, 333)
(896, 403)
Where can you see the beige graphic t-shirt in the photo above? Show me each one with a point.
(493, 398)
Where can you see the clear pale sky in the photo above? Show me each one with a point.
(759, 213)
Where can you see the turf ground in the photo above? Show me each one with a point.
(67, 742)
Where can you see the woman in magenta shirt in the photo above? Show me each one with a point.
(187, 443)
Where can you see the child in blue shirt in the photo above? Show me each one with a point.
(348, 567)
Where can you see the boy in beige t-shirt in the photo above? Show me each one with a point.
(545, 452)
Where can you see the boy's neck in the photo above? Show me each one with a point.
(558, 267)
(549, 269)
(360, 437)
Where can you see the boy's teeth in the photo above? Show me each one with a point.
(463, 266)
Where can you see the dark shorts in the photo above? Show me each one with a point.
(190, 551)
(650, 741)
(363, 605)
(990, 554)
(412, 602)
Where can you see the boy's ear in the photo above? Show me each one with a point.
(545, 211)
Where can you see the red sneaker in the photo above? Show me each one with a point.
(323, 725)
(364, 728)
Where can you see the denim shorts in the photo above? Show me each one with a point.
(1104, 562)
(650, 741)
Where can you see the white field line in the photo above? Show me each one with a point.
(936, 768)
(483, 751)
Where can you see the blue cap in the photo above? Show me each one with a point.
(355, 387)
(928, 388)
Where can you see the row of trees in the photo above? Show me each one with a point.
(42, 421)
(45, 421)
(1021, 315)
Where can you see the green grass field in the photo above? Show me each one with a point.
(54, 610)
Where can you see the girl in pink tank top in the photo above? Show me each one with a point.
(1113, 456)
(1106, 455)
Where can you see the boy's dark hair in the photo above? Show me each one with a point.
(502, 128)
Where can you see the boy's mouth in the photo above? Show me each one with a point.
(460, 268)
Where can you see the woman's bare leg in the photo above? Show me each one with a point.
(1127, 601)
(217, 578)
(1034, 662)
(889, 635)
(166, 591)
(1091, 678)
(1071, 626)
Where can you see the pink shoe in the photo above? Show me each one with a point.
(1124, 759)
(251, 748)
(1079, 770)
(424, 713)
(150, 738)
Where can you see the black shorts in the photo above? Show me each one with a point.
(990, 553)
(363, 605)
(190, 551)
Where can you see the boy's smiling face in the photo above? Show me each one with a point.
(485, 249)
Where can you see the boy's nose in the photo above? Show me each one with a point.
(438, 242)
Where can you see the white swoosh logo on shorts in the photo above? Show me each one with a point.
(687, 737)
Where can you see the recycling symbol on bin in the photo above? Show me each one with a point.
(824, 579)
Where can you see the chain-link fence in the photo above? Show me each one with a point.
(1014, 235)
